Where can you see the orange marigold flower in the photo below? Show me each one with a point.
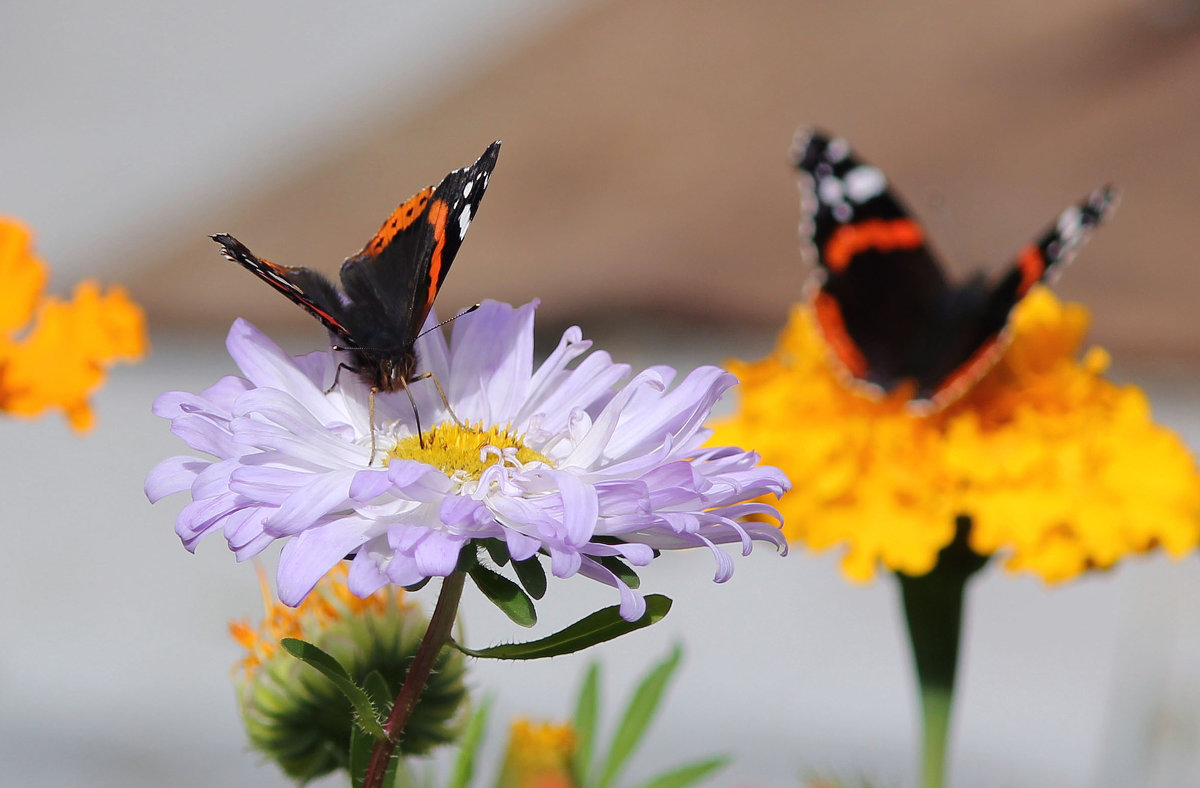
(307, 620)
(1058, 469)
(53, 353)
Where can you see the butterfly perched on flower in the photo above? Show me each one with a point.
(883, 302)
(387, 288)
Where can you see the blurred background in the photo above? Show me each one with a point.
(643, 193)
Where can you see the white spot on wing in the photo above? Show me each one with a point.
(467, 189)
(837, 150)
(464, 221)
(1070, 221)
(864, 183)
(830, 191)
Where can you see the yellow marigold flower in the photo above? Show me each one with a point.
(58, 359)
(539, 756)
(1058, 469)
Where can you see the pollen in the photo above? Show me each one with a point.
(465, 449)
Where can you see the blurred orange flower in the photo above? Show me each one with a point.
(53, 353)
(539, 756)
(1058, 469)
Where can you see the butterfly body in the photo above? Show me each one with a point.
(883, 302)
(387, 288)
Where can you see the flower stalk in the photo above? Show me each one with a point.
(436, 637)
(933, 608)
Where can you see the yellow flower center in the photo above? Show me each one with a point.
(460, 448)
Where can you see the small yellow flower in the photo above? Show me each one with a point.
(58, 359)
(539, 756)
(1058, 469)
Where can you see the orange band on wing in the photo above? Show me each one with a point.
(829, 318)
(437, 217)
(969, 371)
(400, 219)
(881, 234)
(1032, 266)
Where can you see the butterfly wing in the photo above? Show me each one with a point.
(302, 286)
(877, 281)
(393, 281)
(1056, 246)
(976, 315)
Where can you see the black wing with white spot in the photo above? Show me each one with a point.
(392, 282)
(305, 287)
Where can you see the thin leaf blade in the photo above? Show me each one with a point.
(587, 711)
(599, 627)
(639, 713)
(464, 763)
(688, 774)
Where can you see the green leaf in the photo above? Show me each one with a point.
(532, 576)
(688, 774)
(361, 744)
(464, 764)
(621, 569)
(599, 627)
(333, 670)
(587, 707)
(504, 594)
(496, 549)
(638, 716)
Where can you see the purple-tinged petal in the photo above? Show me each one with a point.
(678, 412)
(579, 388)
(368, 485)
(520, 546)
(633, 605)
(225, 392)
(172, 476)
(304, 507)
(564, 563)
(266, 365)
(307, 557)
(595, 443)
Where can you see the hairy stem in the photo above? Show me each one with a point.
(436, 636)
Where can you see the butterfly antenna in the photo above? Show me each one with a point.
(466, 311)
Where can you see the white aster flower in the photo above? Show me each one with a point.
(565, 461)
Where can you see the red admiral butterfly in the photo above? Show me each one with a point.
(387, 288)
(882, 300)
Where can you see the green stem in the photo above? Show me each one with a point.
(933, 606)
(436, 636)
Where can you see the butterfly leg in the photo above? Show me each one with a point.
(441, 393)
(337, 373)
(371, 417)
(416, 414)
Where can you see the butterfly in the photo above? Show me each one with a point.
(387, 288)
(882, 300)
